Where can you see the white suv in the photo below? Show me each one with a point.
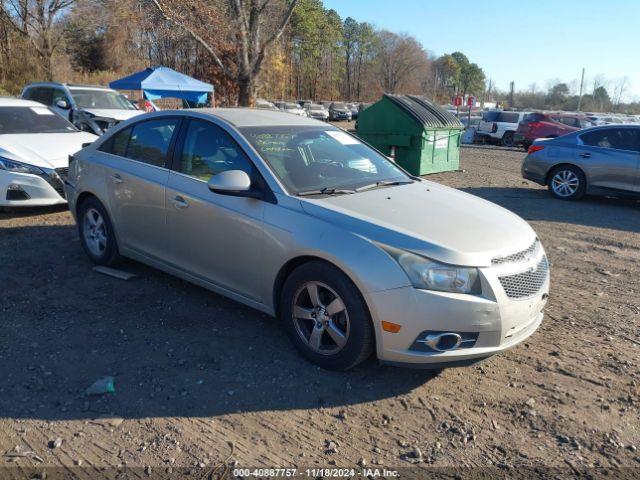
(500, 126)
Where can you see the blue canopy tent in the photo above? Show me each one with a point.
(163, 82)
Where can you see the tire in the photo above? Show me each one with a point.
(526, 144)
(507, 139)
(98, 239)
(567, 182)
(314, 333)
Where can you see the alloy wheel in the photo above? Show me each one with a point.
(565, 183)
(320, 318)
(95, 232)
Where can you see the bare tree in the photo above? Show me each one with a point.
(619, 90)
(39, 21)
(401, 57)
(249, 20)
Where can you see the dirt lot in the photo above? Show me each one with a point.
(200, 379)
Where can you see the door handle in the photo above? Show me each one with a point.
(585, 155)
(116, 178)
(179, 202)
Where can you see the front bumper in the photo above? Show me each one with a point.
(29, 190)
(497, 321)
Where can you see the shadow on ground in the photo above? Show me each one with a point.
(174, 349)
(537, 205)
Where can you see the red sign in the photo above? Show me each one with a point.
(457, 101)
(471, 101)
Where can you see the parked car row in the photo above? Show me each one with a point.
(512, 128)
(325, 110)
(179, 178)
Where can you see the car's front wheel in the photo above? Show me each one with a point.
(326, 316)
(96, 232)
(567, 182)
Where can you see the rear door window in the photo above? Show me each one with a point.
(149, 141)
(117, 144)
(614, 138)
(508, 117)
(490, 116)
(571, 121)
(43, 95)
(533, 117)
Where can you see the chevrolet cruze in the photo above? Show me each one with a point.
(303, 221)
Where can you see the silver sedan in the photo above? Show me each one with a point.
(299, 219)
(600, 160)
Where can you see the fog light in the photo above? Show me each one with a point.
(15, 192)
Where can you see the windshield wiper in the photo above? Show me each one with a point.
(326, 191)
(384, 183)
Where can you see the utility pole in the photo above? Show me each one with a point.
(581, 90)
(512, 87)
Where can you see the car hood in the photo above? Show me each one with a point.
(429, 219)
(46, 150)
(116, 114)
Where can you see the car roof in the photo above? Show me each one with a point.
(70, 86)
(18, 102)
(251, 117)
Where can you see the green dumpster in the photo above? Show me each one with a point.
(420, 136)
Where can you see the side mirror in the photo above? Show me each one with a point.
(232, 182)
(62, 104)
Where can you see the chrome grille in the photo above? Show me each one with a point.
(526, 284)
(63, 172)
(517, 257)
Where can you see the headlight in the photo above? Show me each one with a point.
(428, 274)
(18, 167)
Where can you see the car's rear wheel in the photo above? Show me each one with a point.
(507, 139)
(326, 317)
(96, 233)
(567, 182)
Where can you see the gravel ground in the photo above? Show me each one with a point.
(200, 379)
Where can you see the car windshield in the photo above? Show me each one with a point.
(105, 99)
(291, 105)
(32, 120)
(339, 105)
(316, 107)
(321, 159)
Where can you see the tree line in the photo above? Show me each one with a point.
(276, 49)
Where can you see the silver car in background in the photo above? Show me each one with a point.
(317, 111)
(299, 219)
(601, 160)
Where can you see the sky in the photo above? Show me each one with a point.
(523, 41)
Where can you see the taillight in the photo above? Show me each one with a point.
(535, 124)
(494, 128)
(535, 148)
